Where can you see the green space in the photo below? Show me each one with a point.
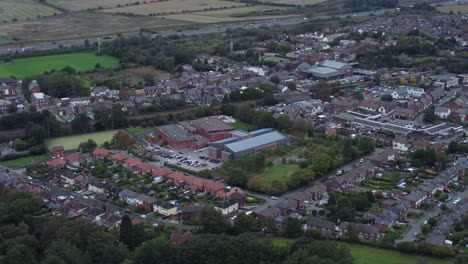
(4, 41)
(369, 255)
(72, 142)
(363, 254)
(274, 59)
(137, 130)
(24, 161)
(28, 67)
(242, 126)
(279, 172)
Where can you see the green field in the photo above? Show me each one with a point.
(363, 254)
(23, 10)
(280, 172)
(24, 161)
(242, 126)
(22, 68)
(72, 142)
(137, 130)
(369, 255)
(274, 59)
(4, 41)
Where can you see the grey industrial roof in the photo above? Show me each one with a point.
(176, 132)
(211, 124)
(335, 65)
(255, 142)
(441, 127)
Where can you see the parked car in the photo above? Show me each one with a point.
(274, 198)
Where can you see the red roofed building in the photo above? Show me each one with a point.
(58, 152)
(144, 168)
(177, 178)
(100, 153)
(179, 239)
(161, 172)
(56, 163)
(75, 159)
(132, 163)
(119, 158)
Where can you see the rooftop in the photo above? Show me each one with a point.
(176, 132)
(255, 142)
(211, 124)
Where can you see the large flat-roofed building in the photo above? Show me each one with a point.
(233, 148)
(212, 128)
(176, 136)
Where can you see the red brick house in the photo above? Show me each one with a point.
(119, 158)
(58, 152)
(56, 163)
(75, 159)
(100, 153)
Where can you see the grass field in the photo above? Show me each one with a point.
(75, 5)
(242, 126)
(455, 8)
(137, 130)
(72, 142)
(274, 59)
(363, 254)
(225, 15)
(4, 41)
(279, 172)
(22, 10)
(24, 161)
(369, 255)
(174, 6)
(36, 65)
(294, 2)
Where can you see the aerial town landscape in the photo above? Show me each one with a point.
(243, 131)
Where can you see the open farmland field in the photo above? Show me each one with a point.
(174, 6)
(22, 10)
(77, 5)
(455, 8)
(72, 142)
(80, 25)
(25, 161)
(36, 65)
(226, 15)
(293, 2)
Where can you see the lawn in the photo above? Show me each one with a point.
(242, 126)
(363, 254)
(24, 161)
(4, 41)
(22, 68)
(280, 172)
(72, 142)
(369, 255)
(274, 59)
(137, 130)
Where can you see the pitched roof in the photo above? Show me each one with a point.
(100, 151)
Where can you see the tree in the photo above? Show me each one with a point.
(432, 222)
(284, 123)
(365, 145)
(81, 124)
(352, 233)
(126, 231)
(321, 163)
(429, 115)
(413, 80)
(386, 97)
(19, 254)
(12, 108)
(243, 223)
(156, 251)
(37, 135)
(237, 176)
(20, 145)
(212, 221)
(88, 146)
(122, 139)
(274, 79)
(293, 228)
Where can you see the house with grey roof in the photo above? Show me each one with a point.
(442, 111)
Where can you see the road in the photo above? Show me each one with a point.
(109, 207)
(417, 225)
(270, 202)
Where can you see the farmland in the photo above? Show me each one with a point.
(78, 5)
(36, 65)
(293, 2)
(22, 10)
(455, 8)
(225, 15)
(80, 25)
(174, 6)
(72, 142)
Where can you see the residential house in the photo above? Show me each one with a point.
(56, 163)
(96, 186)
(58, 152)
(179, 239)
(165, 208)
(190, 212)
(39, 100)
(227, 206)
(401, 144)
(146, 202)
(75, 159)
(109, 220)
(100, 153)
(119, 158)
(442, 112)
(364, 231)
(129, 197)
(415, 198)
(326, 228)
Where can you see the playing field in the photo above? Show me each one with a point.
(137, 130)
(280, 172)
(294, 2)
(22, 10)
(174, 6)
(72, 142)
(455, 8)
(242, 126)
(36, 65)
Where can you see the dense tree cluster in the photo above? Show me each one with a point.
(343, 206)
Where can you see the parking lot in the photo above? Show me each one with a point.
(195, 160)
